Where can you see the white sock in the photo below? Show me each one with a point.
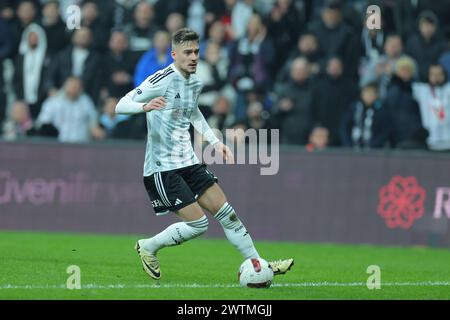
(175, 234)
(236, 232)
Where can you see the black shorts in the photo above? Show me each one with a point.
(175, 189)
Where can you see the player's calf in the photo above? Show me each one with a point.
(176, 234)
(235, 231)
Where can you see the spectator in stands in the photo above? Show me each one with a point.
(308, 47)
(284, 26)
(337, 38)
(155, 59)
(381, 69)
(335, 92)
(434, 102)
(372, 45)
(30, 68)
(7, 9)
(292, 113)
(142, 30)
(406, 13)
(257, 118)
(318, 139)
(109, 119)
(403, 110)
(236, 16)
(213, 12)
(216, 35)
(251, 63)
(72, 113)
(174, 22)
(20, 123)
(366, 125)
(372, 41)
(165, 7)
(122, 13)
(257, 51)
(5, 49)
(426, 46)
(26, 14)
(221, 117)
(80, 60)
(196, 19)
(55, 29)
(213, 72)
(119, 65)
(91, 19)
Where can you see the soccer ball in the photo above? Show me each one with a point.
(255, 273)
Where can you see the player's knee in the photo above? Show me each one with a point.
(199, 226)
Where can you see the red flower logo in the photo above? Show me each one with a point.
(401, 202)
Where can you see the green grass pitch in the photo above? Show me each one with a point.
(33, 266)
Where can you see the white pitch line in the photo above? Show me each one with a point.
(196, 285)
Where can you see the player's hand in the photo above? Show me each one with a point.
(225, 151)
(155, 104)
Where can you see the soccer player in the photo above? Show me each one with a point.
(173, 177)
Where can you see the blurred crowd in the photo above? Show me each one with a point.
(311, 69)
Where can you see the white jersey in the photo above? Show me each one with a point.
(435, 112)
(168, 141)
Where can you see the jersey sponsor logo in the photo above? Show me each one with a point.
(177, 96)
(138, 91)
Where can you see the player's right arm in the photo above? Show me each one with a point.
(145, 98)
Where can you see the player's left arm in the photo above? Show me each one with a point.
(199, 123)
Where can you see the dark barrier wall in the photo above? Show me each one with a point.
(392, 199)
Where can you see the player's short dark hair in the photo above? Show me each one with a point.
(183, 35)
